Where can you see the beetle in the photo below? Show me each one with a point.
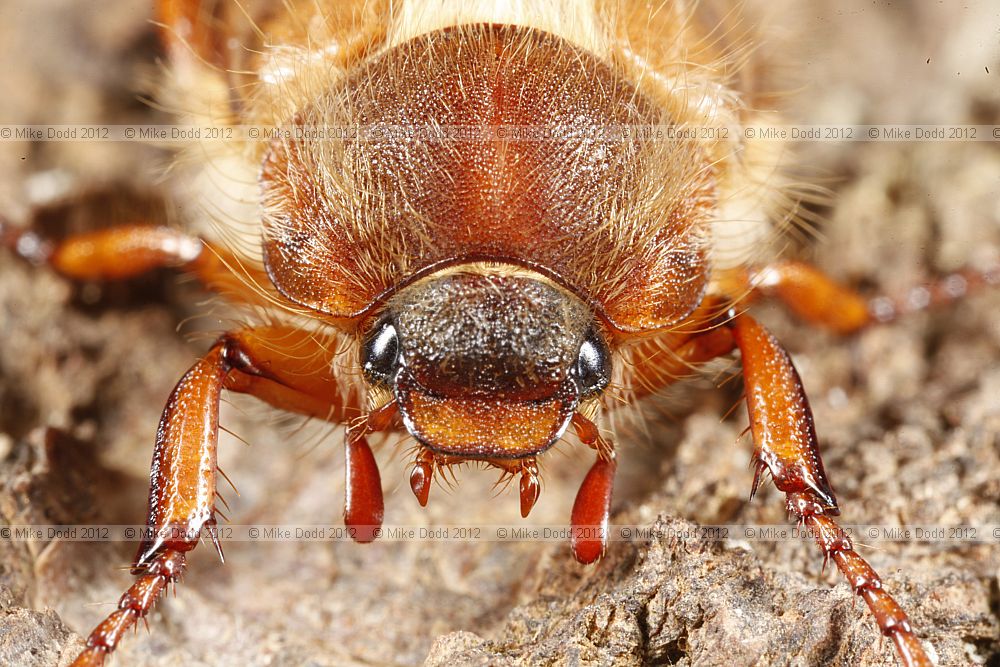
(488, 291)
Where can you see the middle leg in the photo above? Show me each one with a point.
(819, 300)
(127, 251)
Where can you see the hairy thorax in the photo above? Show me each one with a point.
(488, 143)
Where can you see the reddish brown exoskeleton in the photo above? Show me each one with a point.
(490, 284)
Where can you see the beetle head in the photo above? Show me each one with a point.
(486, 363)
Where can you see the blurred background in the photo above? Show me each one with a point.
(908, 414)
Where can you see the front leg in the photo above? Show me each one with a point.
(283, 366)
(181, 498)
(785, 445)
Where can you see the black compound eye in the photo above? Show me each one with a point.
(380, 353)
(593, 365)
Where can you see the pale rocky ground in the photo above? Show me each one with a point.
(908, 414)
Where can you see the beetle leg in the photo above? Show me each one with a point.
(133, 605)
(194, 26)
(290, 369)
(128, 251)
(364, 506)
(592, 507)
(808, 292)
(181, 499)
(785, 445)
(421, 476)
(529, 487)
(589, 520)
(658, 362)
(817, 299)
(287, 368)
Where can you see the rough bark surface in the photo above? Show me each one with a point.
(908, 414)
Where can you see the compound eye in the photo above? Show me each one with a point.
(593, 365)
(380, 353)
